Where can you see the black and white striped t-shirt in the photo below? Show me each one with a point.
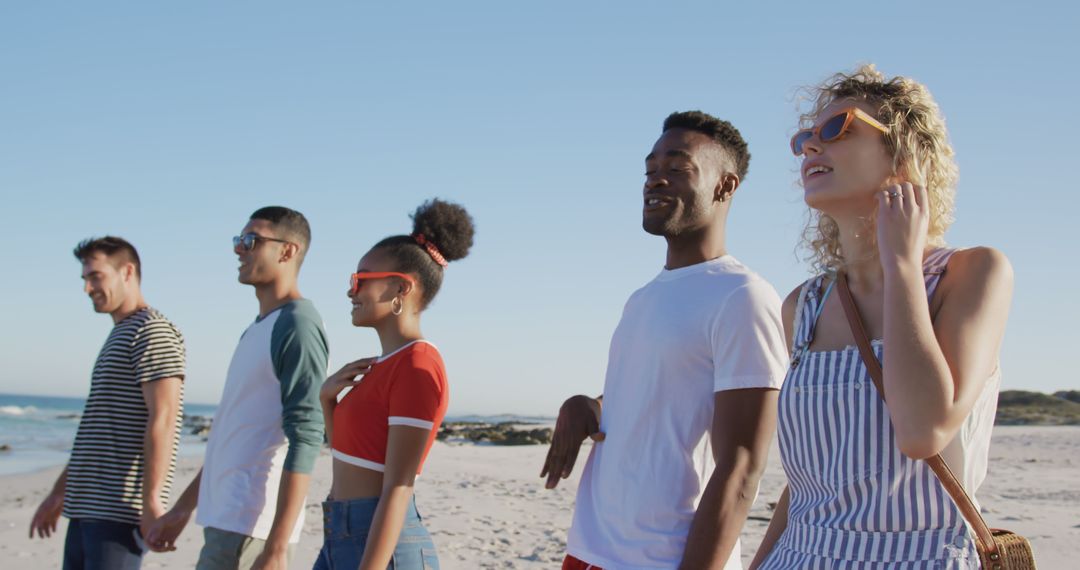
(104, 479)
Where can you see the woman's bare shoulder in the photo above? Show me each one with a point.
(975, 266)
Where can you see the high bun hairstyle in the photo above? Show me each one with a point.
(442, 232)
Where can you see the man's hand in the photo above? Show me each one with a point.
(161, 534)
(579, 417)
(272, 558)
(47, 515)
(152, 511)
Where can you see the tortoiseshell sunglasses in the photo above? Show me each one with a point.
(835, 128)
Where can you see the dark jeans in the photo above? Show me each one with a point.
(102, 545)
(345, 531)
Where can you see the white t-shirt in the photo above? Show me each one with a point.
(687, 334)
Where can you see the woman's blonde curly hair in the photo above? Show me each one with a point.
(917, 141)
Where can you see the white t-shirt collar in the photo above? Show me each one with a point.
(385, 357)
(671, 274)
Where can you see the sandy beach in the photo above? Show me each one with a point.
(486, 507)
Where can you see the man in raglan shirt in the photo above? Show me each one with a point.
(689, 401)
(268, 428)
(118, 479)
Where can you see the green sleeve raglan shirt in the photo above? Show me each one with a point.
(299, 351)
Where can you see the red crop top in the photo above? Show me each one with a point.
(406, 387)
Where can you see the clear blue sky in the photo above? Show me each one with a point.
(169, 123)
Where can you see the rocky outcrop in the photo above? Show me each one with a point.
(198, 426)
(504, 433)
(507, 433)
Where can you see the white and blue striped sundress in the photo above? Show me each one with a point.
(855, 501)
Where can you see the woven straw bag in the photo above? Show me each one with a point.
(998, 549)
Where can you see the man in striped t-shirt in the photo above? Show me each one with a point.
(121, 468)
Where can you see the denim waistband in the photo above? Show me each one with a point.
(353, 517)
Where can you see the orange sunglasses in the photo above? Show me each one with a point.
(833, 129)
(357, 278)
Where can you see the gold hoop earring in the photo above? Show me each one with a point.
(396, 310)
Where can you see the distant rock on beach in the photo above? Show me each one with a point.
(499, 433)
(198, 426)
(505, 433)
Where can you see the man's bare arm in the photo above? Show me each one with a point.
(290, 501)
(162, 399)
(743, 425)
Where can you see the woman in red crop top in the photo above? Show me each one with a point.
(381, 431)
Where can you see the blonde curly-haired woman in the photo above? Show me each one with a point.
(879, 176)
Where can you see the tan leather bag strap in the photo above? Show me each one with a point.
(936, 463)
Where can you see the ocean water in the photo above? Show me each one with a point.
(39, 430)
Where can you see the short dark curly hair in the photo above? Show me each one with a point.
(290, 224)
(117, 249)
(445, 224)
(720, 131)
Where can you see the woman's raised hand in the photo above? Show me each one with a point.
(903, 218)
(349, 376)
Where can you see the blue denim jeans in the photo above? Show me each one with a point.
(102, 545)
(345, 532)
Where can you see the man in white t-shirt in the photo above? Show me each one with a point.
(689, 402)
